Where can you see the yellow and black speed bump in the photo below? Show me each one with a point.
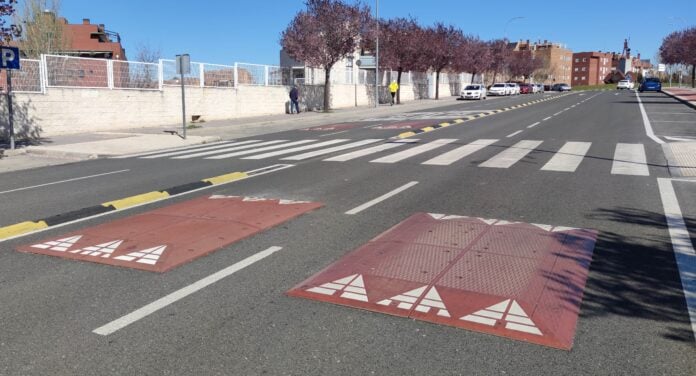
(124, 203)
(472, 117)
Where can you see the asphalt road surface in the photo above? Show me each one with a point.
(581, 160)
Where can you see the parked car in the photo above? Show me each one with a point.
(548, 87)
(561, 87)
(498, 89)
(526, 89)
(473, 91)
(625, 85)
(650, 84)
(513, 87)
(538, 88)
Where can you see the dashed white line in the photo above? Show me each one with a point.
(177, 295)
(64, 181)
(513, 134)
(381, 198)
(534, 125)
(557, 113)
(546, 118)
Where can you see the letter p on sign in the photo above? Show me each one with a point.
(9, 58)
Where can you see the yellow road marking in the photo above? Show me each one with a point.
(21, 228)
(226, 178)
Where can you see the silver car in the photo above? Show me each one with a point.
(473, 91)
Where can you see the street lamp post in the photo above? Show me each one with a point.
(377, 55)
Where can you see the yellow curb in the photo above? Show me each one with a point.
(226, 178)
(136, 200)
(406, 134)
(21, 228)
(427, 129)
(457, 121)
(444, 124)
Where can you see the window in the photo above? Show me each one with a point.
(575, 78)
(584, 59)
(583, 77)
(577, 60)
(583, 69)
(576, 69)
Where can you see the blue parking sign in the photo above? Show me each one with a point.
(9, 57)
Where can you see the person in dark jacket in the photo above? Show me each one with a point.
(294, 103)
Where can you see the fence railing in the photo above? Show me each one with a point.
(57, 71)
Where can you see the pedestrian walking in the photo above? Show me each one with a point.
(294, 103)
(393, 88)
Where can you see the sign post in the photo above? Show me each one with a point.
(9, 60)
(183, 66)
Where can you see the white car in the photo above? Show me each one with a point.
(625, 84)
(513, 88)
(499, 89)
(473, 91)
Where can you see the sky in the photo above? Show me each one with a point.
(228, 31)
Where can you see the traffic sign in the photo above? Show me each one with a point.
(661, 68)
(9, 58)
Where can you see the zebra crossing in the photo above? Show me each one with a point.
(628, 159)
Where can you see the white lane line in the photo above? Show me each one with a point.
(64, 181)
(295, 149)
(227, 150)
(211, 147)
(511, 155)
(133, 155)
(452, 156)
(364, 152)
(566, 109)
(630, 159)
(557, 113)
(381, 198)
(673, 121)
(513, 134)
(568, 157)
(534, 125)
(313, 154)
(257, 150)
(681, 244)
(177, 295)
(331, 134)
(646, 122)
(396, 157)
(546, 118)
(686, 138)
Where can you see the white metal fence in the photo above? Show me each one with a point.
(77, 72)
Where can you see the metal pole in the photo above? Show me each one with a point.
(377, 56)
(183, 103)
(10, 110)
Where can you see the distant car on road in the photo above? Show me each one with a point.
(473, 91)
(650, 84)
(514, 88)
(538, 88)
(625, 84)
(561, 87)
(526, 89)
(498, 89)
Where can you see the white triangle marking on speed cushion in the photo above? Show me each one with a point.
(148, 256)
(508, 311)
(431, 300)
(60, 245)
(351, 287)
(104, 250)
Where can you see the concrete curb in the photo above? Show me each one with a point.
(27, 227)
(680, 99)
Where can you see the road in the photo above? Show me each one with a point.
(580, 160)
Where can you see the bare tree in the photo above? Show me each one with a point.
(679, 47)
(43, 29)
(500, 56)
(473, 56)
(6, 9)
(147, 54)
(400, 46)
(523, 63)
(324, 34)
(440, 46)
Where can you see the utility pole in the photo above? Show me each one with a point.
(377, 56)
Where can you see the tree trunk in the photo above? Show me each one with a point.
(693, 76)
(473, 76)
(398, 81)
(327, 88)
(495, 73)
(437, 84)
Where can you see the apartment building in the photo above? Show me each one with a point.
(558, 60)
(591, 68)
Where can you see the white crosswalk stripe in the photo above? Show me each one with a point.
(227, 150)
(512, 155)
(294, 150)
(334, 149)
(630, 159)
(452, 156)
(568, 158)
(364, 152)
(408, 153)
(258, 150)
(190, 148)
(198, 149)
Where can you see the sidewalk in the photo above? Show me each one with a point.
(60, 149)
(681, 156)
